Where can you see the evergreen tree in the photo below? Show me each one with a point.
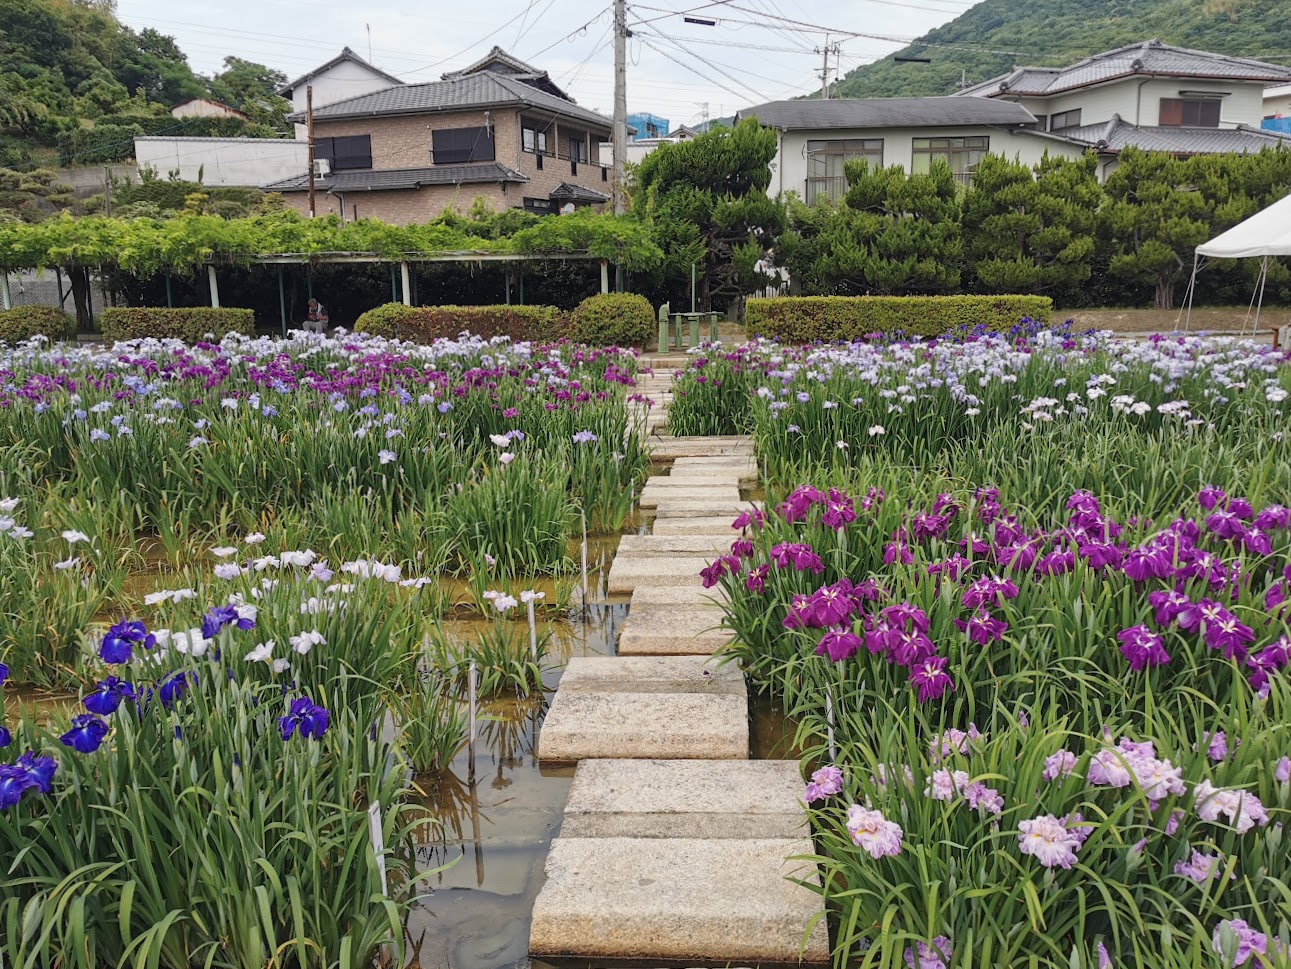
(1032, 230)
(706, 204)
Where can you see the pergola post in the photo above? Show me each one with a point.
(170, 298)
(394, 291)
(407, 284)
(215, 287)
(605, 276)
(58, 279)
(6, 301)
(506, 285)
(282, 302)
(522, 284)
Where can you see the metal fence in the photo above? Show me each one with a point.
(42, 289)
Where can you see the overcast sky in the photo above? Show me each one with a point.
(747, 61)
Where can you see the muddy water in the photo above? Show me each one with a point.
(498, 813)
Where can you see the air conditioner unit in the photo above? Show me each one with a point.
(322, 167)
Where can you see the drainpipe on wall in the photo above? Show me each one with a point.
(340, 197)
(1138, 100)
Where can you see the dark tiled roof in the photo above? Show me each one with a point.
(345, 55)
(400, 178)
(888, 113)
(1151, 57)
(486, 89)
(567, 191)
(1116, 135)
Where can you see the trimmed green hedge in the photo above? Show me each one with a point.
(24, 322)
(189, 323)
(426, 323)
(613, 319)
(808, 319)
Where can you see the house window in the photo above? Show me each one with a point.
(534, 140)
(1064, 119)
(1042, 122)
(577, 149)
(456, 146)
(347, 153)
(961, 154)
(537, 206)
(1190, 112)
(825, 159)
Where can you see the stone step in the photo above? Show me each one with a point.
(686, 799)
(708, 525)
(700, 726)
(677, 630)
(700, 508)
(638, 546)
(679, 447)
(726, 901)
(652, 674)
(652, 496)
(628, 572)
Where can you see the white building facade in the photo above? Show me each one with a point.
(345, 76)
(222, 162)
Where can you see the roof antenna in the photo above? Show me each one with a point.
(369, 27)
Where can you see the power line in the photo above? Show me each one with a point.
(721, 69)
(491, 34)
(697, 73)
(570, 36)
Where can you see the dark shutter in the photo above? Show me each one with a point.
(1208, 116)
(456, 146)
(1171, 112)
(323, 149)
(352, 152)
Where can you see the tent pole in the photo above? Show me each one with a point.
(1192, 288)
(1264, 276)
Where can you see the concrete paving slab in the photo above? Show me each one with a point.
(695, 595)
(685, 799)
(651, 630)
(724, 901)
(699, 508)
(702, 495)
(652, 674)
(638, 546)
(709, 525)
(686, 481)
(677, 447)
(686, 726)
(628, 572)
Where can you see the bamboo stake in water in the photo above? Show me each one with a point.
(533, 632)
(829, 717)
(472, 684)
(583, 513)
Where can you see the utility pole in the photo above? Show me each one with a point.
(309, 127)
(824, 71)
(620, 104)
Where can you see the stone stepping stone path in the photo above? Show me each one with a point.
(675, 847)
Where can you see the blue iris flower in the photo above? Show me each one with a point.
(305, 716)
(105, 700)
(40, 770)
(173, 688)
(13, 782)
(87, 733)
(4, 673)
(119, 643)
(219, 617)
(6, 738)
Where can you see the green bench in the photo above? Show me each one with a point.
(673, 325)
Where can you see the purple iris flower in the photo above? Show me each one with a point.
(1211, 497)
(742, 548)
(989, 590)
(756, 580)
(1083, 502)
(1241, 508)
(1225, 524)
(908, 648)
(906, 615)
(118, 645)
(1056, 563)
(838, 511)
(305, 717)
(1100, 555)
(1229, 635)
(1273, 517)
(1276, 595)
(1256, 541)
(801, 557)
(929, 526)
(930, 678)
(952, 568)
(897, 551)
(1194, 616)
(108, 696)
(795, 507)
(1147, 562)
(830, 606)
(1168, 605)
(1016, 558)
(755, 517)
(86, 734)
(983, 628)
(1142, 647)
(839, 645)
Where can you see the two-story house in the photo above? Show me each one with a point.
(500, 130)
(1149, 95)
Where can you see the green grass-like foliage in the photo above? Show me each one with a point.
(613, 319)
(807, 319)
(426, 323)
(24, 322)
(192, 324)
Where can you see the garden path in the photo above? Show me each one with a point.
(674, 845)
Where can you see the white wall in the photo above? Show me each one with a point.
(345, 80)
(1277, 101)
(223, 161)
(791, 167)
(201, 108)
(636, 150)
(1244, 103)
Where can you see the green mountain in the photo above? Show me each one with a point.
(996, 35)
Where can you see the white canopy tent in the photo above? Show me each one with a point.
(1264, 235)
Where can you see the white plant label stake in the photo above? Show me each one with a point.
(829, 717)
(583, 513)
(378, 842)
(471, 687)
(533, 633)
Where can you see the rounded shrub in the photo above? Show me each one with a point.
(189, 323)
(24, 322)
(426, 323)
(613, 319)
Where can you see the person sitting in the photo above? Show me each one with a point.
(316, 321)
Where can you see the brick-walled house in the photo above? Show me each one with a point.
(500, 130)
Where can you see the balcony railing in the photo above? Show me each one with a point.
(832, 187)
(543, 158)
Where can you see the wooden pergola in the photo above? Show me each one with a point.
(402, 284)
